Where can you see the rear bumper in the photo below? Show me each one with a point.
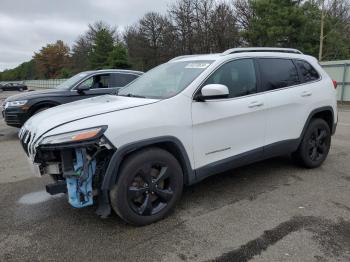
(14, 116)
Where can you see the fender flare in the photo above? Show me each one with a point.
(118, 156)
(313, 113)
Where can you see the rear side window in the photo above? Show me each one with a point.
(307, 71)
(120, 80)
(277, 73)
(238, 76)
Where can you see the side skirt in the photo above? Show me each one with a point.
(255, 155)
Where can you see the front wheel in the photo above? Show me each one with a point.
(149, 185)
(315, 144)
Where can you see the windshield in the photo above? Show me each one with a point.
(165, 80)
(71, 81)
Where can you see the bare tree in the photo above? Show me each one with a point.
(224, 29)
(80, 51)
(151, 41)
(152, 28)
(203, 11)
(337, 13)
(243, 13)
(137, 50)
(182, 14)
(321, 30)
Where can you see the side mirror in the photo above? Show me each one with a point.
(82, 88)
(212, 91)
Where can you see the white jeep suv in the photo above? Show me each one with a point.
(181, 122)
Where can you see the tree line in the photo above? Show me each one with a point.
(195, 27)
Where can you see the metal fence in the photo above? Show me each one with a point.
(339, 71)
(39, 84)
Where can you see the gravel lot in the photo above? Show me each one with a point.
(269, 211)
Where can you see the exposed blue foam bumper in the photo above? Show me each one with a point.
(79, 186)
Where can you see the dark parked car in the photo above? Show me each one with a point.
(13, 87)
(18, 108)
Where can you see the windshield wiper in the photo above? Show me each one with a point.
(132, 95)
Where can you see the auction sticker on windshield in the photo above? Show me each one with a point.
(197, 65)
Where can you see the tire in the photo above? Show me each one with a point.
(149, 184)
(315, 145)
(20, 89)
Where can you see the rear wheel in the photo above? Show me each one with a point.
(315, 144)
(149, 184)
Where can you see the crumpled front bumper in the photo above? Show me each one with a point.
(77, 168)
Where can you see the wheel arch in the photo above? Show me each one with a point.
(168, 143)
(326, 113)
(40, 105)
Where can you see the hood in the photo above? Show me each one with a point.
(56, 116)
(35, 94)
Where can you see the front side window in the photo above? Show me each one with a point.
(69, 83)
(238, 75)
(96, 82)
(277, 73)
(307, 71)
(166, 80)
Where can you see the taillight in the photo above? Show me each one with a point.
(335, 84)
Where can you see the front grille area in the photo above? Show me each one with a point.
(12, 118)
(25, 138)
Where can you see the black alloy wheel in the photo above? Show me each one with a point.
(318, 143)
(315, 145)
(151, 189)
(149, 184)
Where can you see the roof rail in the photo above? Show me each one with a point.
(262, 49)
(180, 57)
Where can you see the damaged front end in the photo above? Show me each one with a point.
(77, 162)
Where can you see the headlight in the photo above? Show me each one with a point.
(75, 136)
(16, 103)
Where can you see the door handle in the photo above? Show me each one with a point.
(306, 93)
(255, 104)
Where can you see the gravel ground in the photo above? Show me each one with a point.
(269, 211)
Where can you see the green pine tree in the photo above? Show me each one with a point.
(102, 47)
(118, 58)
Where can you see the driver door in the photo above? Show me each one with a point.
(229, 131)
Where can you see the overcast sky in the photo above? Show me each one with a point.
(27, 25)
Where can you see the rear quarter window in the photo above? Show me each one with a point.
(306, 70)
(277, 73)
